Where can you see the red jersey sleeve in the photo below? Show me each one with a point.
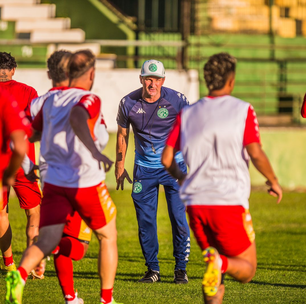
(303, 109)
(251, 131)
(37, 123)
(174, 138)
(91, 103)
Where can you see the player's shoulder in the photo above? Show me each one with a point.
(21, 85)
(238, 100)
(173, 95)
(89, 98)
(133, 96)
(130, 99)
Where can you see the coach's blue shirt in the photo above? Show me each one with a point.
(151, 123)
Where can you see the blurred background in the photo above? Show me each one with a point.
(268, 37)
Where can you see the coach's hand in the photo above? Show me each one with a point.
(275, 190)
(121, 175)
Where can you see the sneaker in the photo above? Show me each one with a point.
(151, 276)
(14, 288)
(38, 271)
(180, 276)
(76, 300)
(11, 267)
(212, 276)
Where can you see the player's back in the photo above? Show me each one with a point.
(212, 133)
(70, 163)
(11, 118)
(37, 103)
(22, 93)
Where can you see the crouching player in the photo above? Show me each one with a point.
(217, 136)
(69, 122)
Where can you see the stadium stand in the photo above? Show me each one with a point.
(37, 22)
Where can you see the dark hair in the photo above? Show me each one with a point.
(79, 63)
(217, 70)
(7, 61)
(57, 65)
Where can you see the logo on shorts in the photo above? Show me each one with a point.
(137, 187)
(162, 113)
(153, 67)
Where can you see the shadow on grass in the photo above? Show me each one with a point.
(253, 282)
(278, 285)
(281, 267)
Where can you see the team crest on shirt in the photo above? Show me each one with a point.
(137, 187)
(162, 113)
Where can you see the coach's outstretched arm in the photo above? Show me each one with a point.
(121, 148)
(78, 121)
(262, 164)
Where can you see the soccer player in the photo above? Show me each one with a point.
(151, 110)
(13, 128)
(76, 234)
(27, 191)
(217, 136)
(74, 181)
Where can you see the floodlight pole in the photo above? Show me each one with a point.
(271, 31)
(185, 31)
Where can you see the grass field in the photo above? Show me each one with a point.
(281, 244)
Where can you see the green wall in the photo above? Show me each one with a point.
(284, 147)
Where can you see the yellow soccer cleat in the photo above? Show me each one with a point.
(8, 268)
(14, 288)
(212, 276)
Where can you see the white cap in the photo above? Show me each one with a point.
(153, 68)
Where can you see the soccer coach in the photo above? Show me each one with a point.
(151, 110)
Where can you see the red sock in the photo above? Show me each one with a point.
(23, 273)
(71, 248)
(8, 261)
(224, 263)
(64, 270)
(106, 296)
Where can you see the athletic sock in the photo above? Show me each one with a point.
(8, 261)
(224, 263)
(71, 248)
(23, 273)
(64, 269)
(106, 296)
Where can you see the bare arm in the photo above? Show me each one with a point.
(262, 164)
(78, 121)
(19, 152)
(170, 164)
(121, 148)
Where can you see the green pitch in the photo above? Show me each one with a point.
(281, 245)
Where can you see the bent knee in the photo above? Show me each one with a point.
(249, 276)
